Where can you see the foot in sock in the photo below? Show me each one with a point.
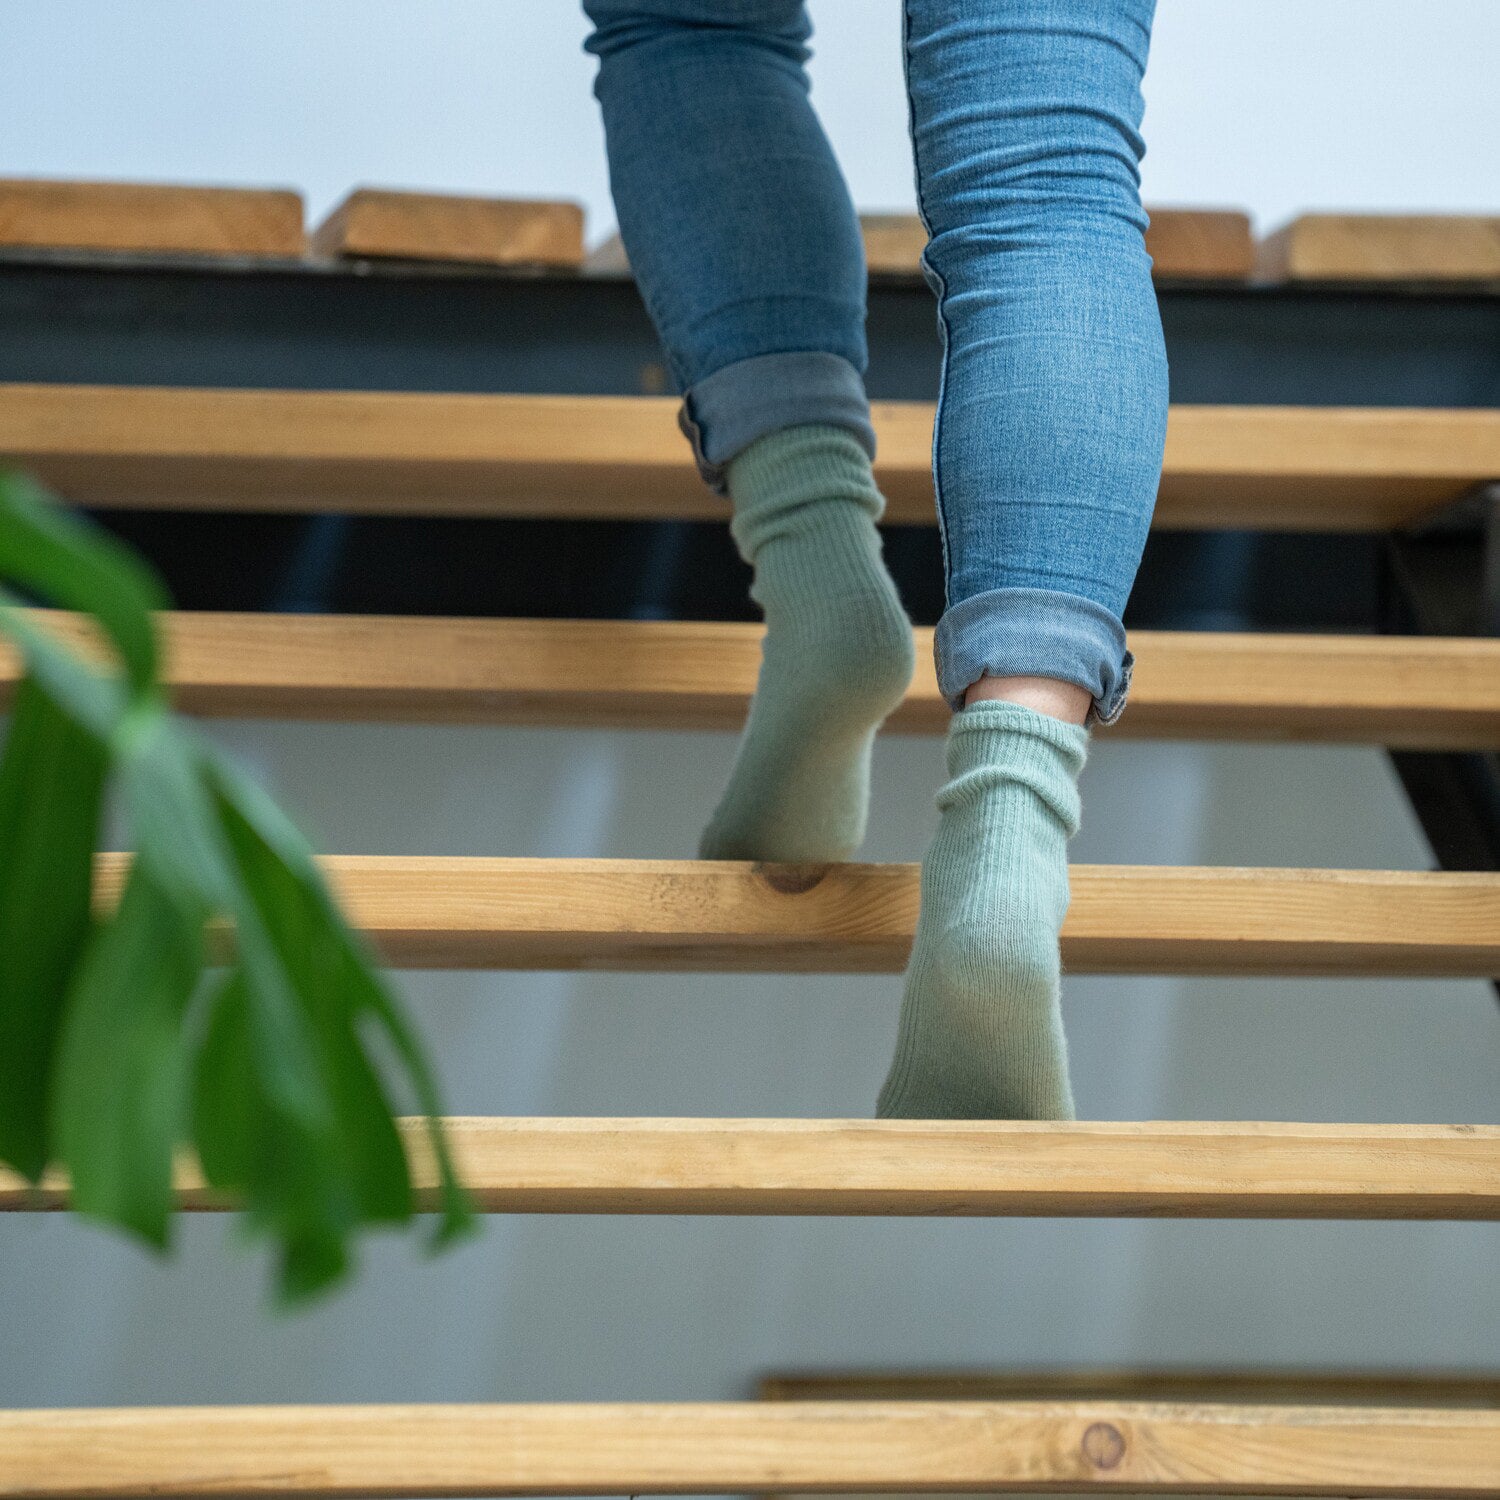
(981, 1033)
(837, 656)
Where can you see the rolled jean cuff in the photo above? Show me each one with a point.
(727, 411)
(1018, 632)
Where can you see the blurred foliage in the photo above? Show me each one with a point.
(123, 1038)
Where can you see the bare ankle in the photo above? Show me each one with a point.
(1047, 695)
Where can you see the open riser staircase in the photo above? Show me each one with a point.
(570, 457)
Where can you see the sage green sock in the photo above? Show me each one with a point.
(981, 1033)
(837, 656)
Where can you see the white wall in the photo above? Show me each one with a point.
(1272, 106)
(1275, 106)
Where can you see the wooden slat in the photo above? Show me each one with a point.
(1384, 247)
(148, 217)
(1179, 1385)
(961, 1168)
(1273, 468)
(442, 912)
(379, 223)
(1262, 1386)
(1185, 244)
(723, 1447)
(1197, 244)
(1404, 692)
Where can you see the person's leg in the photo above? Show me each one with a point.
(1025, 123)
(745, 245)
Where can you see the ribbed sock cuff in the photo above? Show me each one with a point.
(995, 742)
(783, 472)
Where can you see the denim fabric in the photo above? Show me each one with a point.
(1025, 121)
(725, 412)
(732, 208)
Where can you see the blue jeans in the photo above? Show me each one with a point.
(1025, 119)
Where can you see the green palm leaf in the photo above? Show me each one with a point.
(51, 779)
(115, 1052)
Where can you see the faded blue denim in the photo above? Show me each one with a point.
(1025, 121)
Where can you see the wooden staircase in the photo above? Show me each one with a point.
(1273, 468)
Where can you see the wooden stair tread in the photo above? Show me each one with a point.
(1194, 1169)
(1384, 248)
(381, 223)
(1410, 692)
(1272, 468)
(698, 916)
(1200, 244)
(150, 218)
(1112, 1447)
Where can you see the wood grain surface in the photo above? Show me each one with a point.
(702, 916)
(1262, 467)
(1110, 1447)
(1384, 248)
(378, 223)
(150, 218)
(1408, 692)
(959, 1168)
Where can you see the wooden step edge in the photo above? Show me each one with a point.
(701, 916)
(363, 452)
(1405, 692)
(150, 218)
(1215, 1170)
(1384, 248)
(380, 223)
(671, 1448)
(1200, 244)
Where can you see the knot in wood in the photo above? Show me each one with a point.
(1103, 1445)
